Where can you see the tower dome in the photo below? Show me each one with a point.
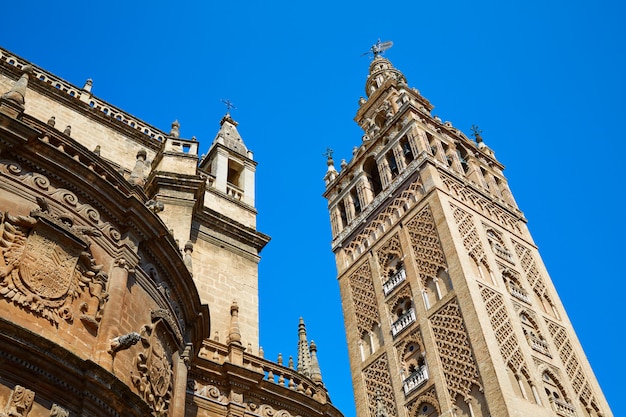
(381, 70)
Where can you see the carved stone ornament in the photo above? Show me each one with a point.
(153, 375)
(46, 265)
(20, 402)
(58, 411)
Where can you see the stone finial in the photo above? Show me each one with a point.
(88, 85)
(17, 93)
(137, 176)
(234, 335)
(175, 131)
(52, 121)
(304, 355)
(290, 363)
(261, 352)
(279, 360)
(187, 259)
(68, 130)
(343, 164)
(97, 150)
(316, 373)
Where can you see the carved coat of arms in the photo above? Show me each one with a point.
(153, 377)
(46, 265)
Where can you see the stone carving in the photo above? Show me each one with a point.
(364, 297)
(20, 402)
(58, 411)
(46, 265)
(153, 374)
(378, 380)
(468, 232)
(388, 216)
(41, 184)
(455, 351)
(124, 342)
(533, 276)
(482, 204)
(572, 364)
(501, 324)
(426, 245)
(155, 206)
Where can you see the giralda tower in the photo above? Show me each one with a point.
(448, 308)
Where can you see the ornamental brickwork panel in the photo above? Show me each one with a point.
(570, 360)
(530, 270)
(426, 245)
(471, 241)
(364, 298)
(378, 385)
(455, 351)
(501, 324)
(481, 204)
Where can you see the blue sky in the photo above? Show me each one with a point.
(543, 80)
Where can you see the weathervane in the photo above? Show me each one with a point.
(229, 105)
(379, 47)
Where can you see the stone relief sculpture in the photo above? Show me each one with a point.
(153, 374)
(20, 402)
(46, 265)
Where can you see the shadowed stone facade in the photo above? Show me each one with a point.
(448, 308)
(128, 267)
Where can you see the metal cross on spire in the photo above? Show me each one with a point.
(328, 153)
(229, 105)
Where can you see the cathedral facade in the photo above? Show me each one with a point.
(129, 266)
(448, 308)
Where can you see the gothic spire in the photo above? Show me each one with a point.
(304, 355)
(316, 373)
(229, 136)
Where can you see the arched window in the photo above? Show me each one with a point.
(342, 214)
(354, 196)
(463, 157)
(533, 336)
(556, 395)
(373, 176)
(404, 315)
(393, 164)
(407, 152)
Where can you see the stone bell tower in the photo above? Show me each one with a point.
(449, 310)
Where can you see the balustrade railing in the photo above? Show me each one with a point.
(234, 191)
(272, 372)
(563, 409)
(415, 380)
(518, 293)
(394, 281)
(84, 95)
(539, 345)
(403, 322)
